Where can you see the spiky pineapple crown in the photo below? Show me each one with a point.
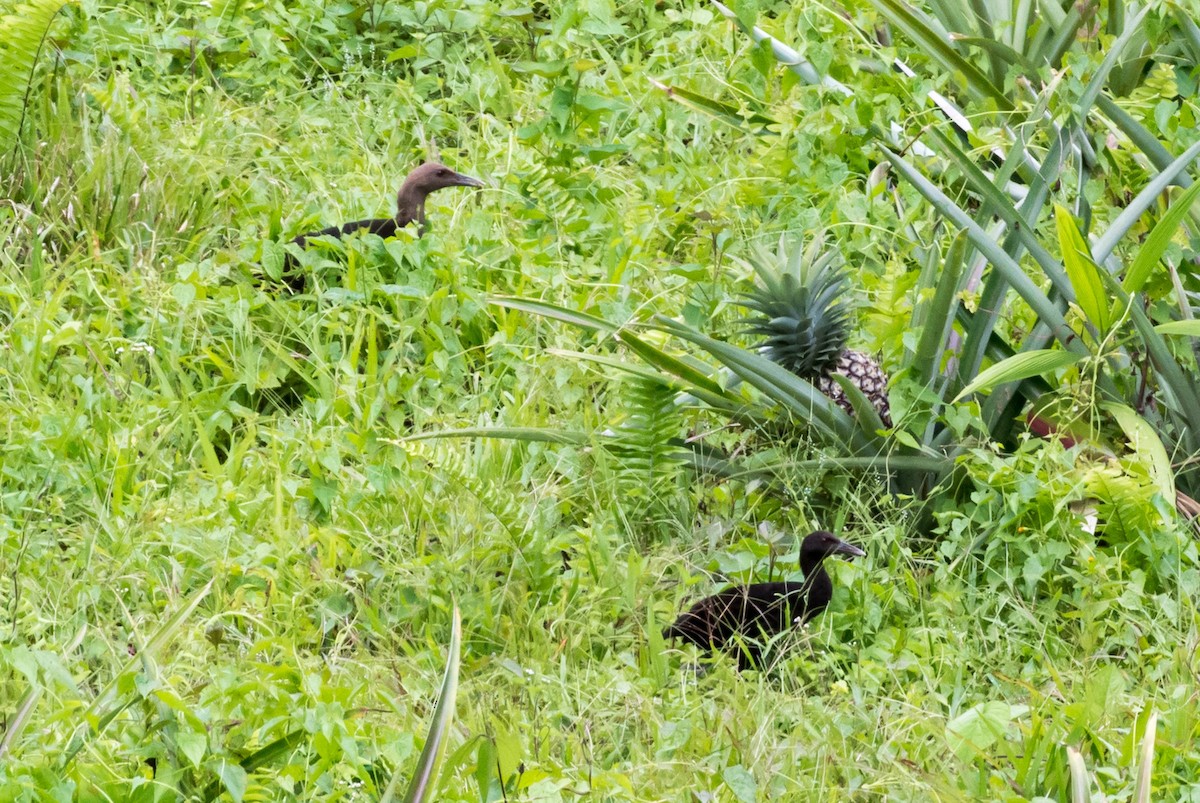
(801, 308)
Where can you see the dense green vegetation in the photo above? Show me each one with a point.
(233, 526)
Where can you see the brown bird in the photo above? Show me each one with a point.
(741, 618)
(410, 206)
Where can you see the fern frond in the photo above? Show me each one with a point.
(645, 443)
(23, 29)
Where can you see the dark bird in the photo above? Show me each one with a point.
(741, 618)
(410, 206)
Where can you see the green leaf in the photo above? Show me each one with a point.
(741, 783)
(22, 32)
(421, 787)
(1147, 197)
(1145, 768)
(526, 434)
(1083, 273)
(1079, 776)
(1160, 237)
(975, 730)
(1145, 443)
(938, 315)
(1020, 366)
(725, 112)
(547, 310)
(233, 778)
(933, 42)
(1045, 309)
(1191, 328)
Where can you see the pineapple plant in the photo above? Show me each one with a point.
(804, 316)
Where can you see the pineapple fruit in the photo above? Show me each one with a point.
(803, 313)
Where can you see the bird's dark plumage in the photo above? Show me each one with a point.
(739, 619)
(410, 206)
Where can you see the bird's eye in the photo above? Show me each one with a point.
(443, 172)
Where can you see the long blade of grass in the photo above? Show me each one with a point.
(524, 434)
(20, 718)
(1115, 51)
(665, 362)
(938, 315)
(1020, 227)
(934, 43)
(1159, 156)
(1160, 237)
(276, 750)
(780, 385)
(1189, 328)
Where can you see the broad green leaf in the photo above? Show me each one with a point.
(1190, 328)
(233, 778)
(1146, 445)
(974, 731)
(1160, 237)
(1083, 272)
(741, 783)
(1020, 366)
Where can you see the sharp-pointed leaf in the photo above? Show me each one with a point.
(421, 787)
(581, 319)
(1160, 237)
(1145, 768)
(1020, 366)
(526, 434)
(1083, 272)
(1189, 328)
(725, 112)
(1045, 309)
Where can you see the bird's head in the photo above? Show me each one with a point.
(433, 176)
(823, 543)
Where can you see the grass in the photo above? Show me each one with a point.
(215, 533)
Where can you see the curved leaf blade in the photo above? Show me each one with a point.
(1020, 366)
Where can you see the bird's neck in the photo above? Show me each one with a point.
(410, 206)
(815, 575)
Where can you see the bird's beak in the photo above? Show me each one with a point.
(849, 549)
(463, 180)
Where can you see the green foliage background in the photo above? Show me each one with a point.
(213, 533)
